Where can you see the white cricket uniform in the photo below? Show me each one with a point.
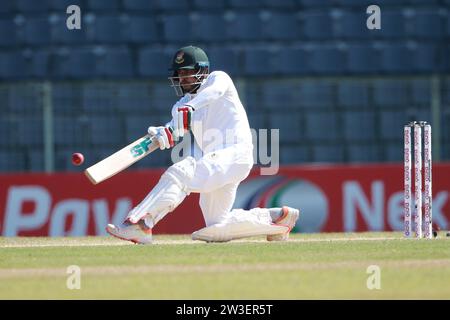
(221, 130)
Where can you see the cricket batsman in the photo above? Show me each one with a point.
(210, 108)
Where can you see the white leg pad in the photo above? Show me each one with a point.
(238, 224)
(168, 193)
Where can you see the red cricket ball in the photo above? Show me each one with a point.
(77, 159)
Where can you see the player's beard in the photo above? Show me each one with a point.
(189, 88)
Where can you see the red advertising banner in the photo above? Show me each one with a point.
(331, 198)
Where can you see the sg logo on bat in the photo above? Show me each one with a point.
(140, 148)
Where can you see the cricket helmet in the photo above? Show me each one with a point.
(189, 58)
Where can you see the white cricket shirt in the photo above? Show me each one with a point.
(219, 119)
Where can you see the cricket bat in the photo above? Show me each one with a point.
(121, 160)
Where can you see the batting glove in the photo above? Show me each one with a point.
(183, 120)
(163, 135)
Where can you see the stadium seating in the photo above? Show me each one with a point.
(421, 93)
(75, 64)
(8, 33)
(244, 26)
(251, 96)
(363, 59)
(61, 35)
(115, 63)
(66, 99)
(224, 59)
(106, 131)
(281, 26)
(366, 3)
(295, 154)
(390, 94)
(392, 123)
(162, 97)
(209, 27)
(155, 62)
(316, 94)
(364, 153)
(359, 126)
(351, 25)
(177, 28)
(353, 94)
(61, 5)
(322, 126)
(39, 63)
(12, 161)
(294, 61)
(30, 131)
(446, 130)
(245, 4)
(394, 25)
(139, 5)
(7, 6)
(428, 24)
(136, 126)
(328, 153)
(71, 131)
(299, 65)
(36, 31)
(289, 126)
(396, 58)
(103, 5)
(30, 6)
(132, 97)
(260, 61)
(13, 65)
(445, 94)
(257, 121)
(8, 132)
(36, 160)
(317, 25)
(314, 3)
(98, 99)
(281, 4)
(109, 29)
(326, 60)
(393, 151)
(22, 100)
(427, 58)
(141, 29)
(172, 5)
(280, 96)
(422, 114)
(208, 5)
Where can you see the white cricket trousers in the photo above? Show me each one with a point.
(217, 177)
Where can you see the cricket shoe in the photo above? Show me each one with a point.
(137, 233)
(288, 218)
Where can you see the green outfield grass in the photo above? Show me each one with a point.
(309, 266)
